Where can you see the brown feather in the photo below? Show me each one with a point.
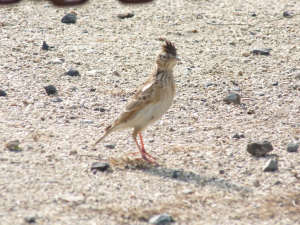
(169, 48)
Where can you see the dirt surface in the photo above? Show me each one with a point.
(216, 181)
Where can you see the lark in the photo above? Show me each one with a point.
(151, 101)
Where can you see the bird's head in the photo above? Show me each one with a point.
(167, 58)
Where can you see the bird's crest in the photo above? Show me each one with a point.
(169, 48)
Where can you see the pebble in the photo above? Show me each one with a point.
(87, 121)
(208, 84)
(298, 76)
(56, 61)
(252, 14)
(73, 72)
(246, 54)
(260, 148)
(292, 147)
(275, 83)
(74, 152)
(50, 89)
(263, 51)
(69, 18)
(116, 73)
(45, 46)
(98, 108)
(2, 93)
(175, 174)
(232, 98)
(72, 88)
(110, 146)
(187, 191)
(236, 88)
(102, 166)
(30, 219)
(287, 14)
(271, 165)
(199, 16)
(221, 171)
(125, 15)
(256, 183)
(56, 100)
(13, 145)
(161, 219)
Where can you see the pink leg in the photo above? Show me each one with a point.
(143, 148)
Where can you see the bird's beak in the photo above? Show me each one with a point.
(177, 59)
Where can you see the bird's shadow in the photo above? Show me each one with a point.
(180, 175)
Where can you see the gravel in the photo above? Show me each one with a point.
(32, 180)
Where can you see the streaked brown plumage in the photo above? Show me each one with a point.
(152, 100)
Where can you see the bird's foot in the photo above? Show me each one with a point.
(144, 156)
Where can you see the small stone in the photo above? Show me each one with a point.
(30, 219)
(263, 51)
(278, 182)
(56, 100)
(260, 148)
(171, 129)
(13, 145)
(94, 171)
(116, 73)
(110, 146)
(236, 135)
(250, 112)
(2, 93)
(236, 88)
(50, 89)
(245, 54)
(271, 165)
(102, 166)
(275, 83)
(256, 183)
(175, 174)
(199, 16)
(87, 121)
(93, 89)
(195, 31)
(74, 152)
(292, 147)
(72, 72)
(187, 191)
(208, 84)
(161, 219)
(252, 14)
(279, 96)
(287, 14)
(125, 15)
(298, 76)
(232, 98)
(221, 171)
(69, 18)
(72, 88)
(261, 93)
(56, 61)
(98, 108)
(45, 46)
(240, 73)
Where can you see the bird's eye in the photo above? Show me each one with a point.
(164, 57)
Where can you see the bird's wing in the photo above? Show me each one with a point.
(143, 96)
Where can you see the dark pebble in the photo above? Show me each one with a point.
(72, 72)
(93, 89)
(261, 51)
(275, 84)
(236, 135)
(125, 15)
(175, 174)
(260, 148)
(45, 46)
(253, 14)
(102, 166)
(292, 147)
(50, 89)
(208, 84)
(94, 171)
(97, 108)
(232, 98)
(69, 18)
(110, 146)
(2, 93)
(221, 171)
(287, 14)
(160, 219)
(56, 100)
(30, 219)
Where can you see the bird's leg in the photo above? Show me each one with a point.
(143, 148)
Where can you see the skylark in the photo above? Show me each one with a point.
(151, 101)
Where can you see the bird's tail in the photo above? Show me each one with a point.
(108, 131)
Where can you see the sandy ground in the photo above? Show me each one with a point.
(218, 182)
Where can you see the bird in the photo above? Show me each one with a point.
(151, 101)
